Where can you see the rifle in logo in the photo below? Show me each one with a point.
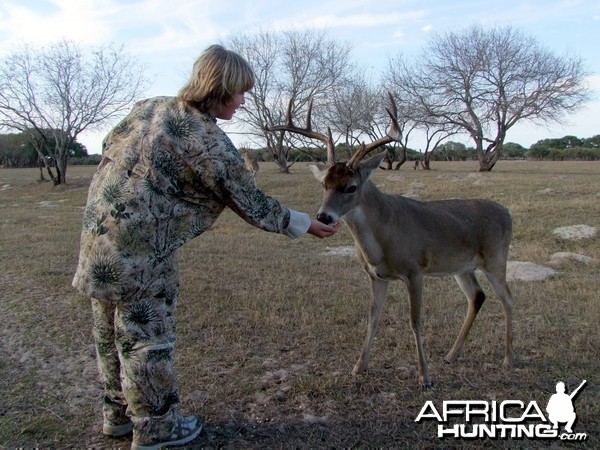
(560, 407)
(578, 389)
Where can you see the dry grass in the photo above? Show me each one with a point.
(269, 328)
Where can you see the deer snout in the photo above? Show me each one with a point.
(324, 218)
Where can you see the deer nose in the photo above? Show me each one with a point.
(324, 218)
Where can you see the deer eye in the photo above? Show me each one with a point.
(350, 190)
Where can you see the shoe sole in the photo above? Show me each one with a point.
(117, 430)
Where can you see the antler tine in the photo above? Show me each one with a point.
(394, 112)
(307, 130)
(289, 113)
(309, 116)
(329, 135)
(393, 135)
(360, 154)
(289, 126)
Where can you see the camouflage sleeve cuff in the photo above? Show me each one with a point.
(298, 225)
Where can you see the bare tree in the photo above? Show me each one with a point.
(262, 52)
(434, 136)
(408, 123)
(354, 109)
(291, 67)
(357, 112)
(64, 91)
(485, 81)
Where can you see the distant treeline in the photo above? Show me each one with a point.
(566, 148)
(16, 151)
(562, 149)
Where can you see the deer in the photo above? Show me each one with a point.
(399, 238)
(250, 163)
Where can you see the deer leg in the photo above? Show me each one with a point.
(497, 279)
(415, 295)
(378, 291)
(470, 286)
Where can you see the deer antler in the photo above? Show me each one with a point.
(393, 135)
(308, 131)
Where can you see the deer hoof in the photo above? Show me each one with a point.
(358, 370)
(427, 386)
(449, 359)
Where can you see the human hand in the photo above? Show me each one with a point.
(321, 230)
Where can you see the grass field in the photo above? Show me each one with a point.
(270, 328)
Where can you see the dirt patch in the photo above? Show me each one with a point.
(66, 375)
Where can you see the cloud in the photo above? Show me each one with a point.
(427, 28)
(165, 25)
(593, 83)
(146, 25)
(81, 21)
(351, 20)
(398, 34)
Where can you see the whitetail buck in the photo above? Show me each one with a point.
(398, 238)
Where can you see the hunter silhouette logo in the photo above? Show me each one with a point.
(507, 419)
(560, 407)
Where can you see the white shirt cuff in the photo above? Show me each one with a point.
(299, 224)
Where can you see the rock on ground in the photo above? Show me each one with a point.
(527, 271)
(575, 232)
(559, 258)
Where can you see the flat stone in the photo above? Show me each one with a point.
(561, 257)
(575, 232)
(528, 271)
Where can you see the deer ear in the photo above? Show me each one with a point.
(368, 165)
(318, 171)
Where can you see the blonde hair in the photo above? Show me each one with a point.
(218, 74)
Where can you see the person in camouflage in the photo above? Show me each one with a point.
(167, 173)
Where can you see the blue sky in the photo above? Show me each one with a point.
(168, 35)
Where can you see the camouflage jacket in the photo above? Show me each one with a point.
(167, 173)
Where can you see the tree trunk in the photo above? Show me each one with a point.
(402, 159)
(488, 159)
(61, 170)
(43, 162)
(388, 160)
(426, 161)
(281, 161)
(41, 166)
(388, 164)
(277, 149)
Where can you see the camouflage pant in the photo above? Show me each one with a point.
(135, 348)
